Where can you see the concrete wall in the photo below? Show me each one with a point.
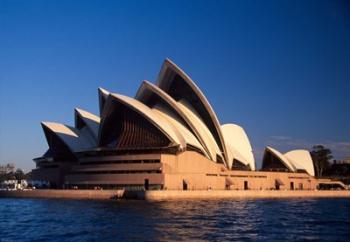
(124, 179)
(122, 157)
(193, 181)
(189, 167)
(64, 194)
(77, 177)
(248, 194)
(172, 195)
(55, 176)
(201, 173)
(267, 180)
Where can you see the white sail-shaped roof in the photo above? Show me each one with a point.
(185, 88)
(281, 157)
(175, 112)
(235, 154)
(295, 160)
(185, 134)
(75, 140)
(90, 120)
(301, 159)
(237, 142)
(150, 115)
(203, 130)
(148, 89)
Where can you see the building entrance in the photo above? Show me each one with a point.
(291, 185)
(146, 184)
(184, 185)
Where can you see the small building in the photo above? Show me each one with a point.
(13, 184)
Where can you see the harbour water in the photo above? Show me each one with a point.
(228, 220)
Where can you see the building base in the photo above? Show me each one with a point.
(171, 195)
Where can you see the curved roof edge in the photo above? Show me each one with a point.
(140, 95)
(204, 132)
(102, 98)
(235, 154)
(146, 112)
(91, 121)
(169, 64)
(280, 156)
(236, 138)
(167, 115)
(302, 160)
(71, 137)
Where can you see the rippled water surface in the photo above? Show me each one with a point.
(240, 220)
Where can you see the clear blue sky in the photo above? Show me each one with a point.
(281, 69)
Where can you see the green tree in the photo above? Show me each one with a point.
(19, 174)
(321, 157)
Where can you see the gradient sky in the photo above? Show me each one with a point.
(280, 69)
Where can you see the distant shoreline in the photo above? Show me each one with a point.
(164, 195)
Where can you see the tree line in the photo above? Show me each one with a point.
(9, 172)
(322, 158)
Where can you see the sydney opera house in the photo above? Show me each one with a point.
(166, 137)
